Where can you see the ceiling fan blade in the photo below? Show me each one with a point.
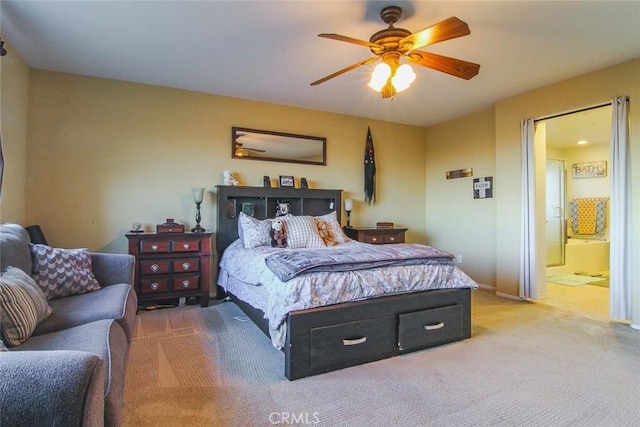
(344, 70)
(455, 67)
(448, 29)
(374, 47)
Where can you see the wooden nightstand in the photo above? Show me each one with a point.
(172, 265)
(376, 235)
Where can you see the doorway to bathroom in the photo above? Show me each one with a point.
(577, 221)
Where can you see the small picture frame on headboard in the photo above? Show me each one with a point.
(286, 181)
(248, 209)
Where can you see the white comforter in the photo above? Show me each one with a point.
(326, 288)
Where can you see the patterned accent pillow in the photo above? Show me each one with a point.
(62, 272)
(332, 220)
(302, 232)
(254, 232)
(22, 306)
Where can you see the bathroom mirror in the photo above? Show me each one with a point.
(253, 144)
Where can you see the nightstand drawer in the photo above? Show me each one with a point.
(373, 238)
(185, 283)
(154, 285)
(394, 237)
(186, 246)
(344, 343)
(186, 265)
(154, 267)
(154, 246)
(430, 327)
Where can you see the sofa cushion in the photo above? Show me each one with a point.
(62, 272)
(116, 302)
(22, 306)
(105, 339)
(14, 247)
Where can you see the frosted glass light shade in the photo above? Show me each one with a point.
(403, 78)
(198, 194)
(379, 76)
(348, 205)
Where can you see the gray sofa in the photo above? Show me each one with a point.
(71, 371)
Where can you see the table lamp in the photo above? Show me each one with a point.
(348, 207)
(198, 195)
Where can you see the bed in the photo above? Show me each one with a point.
(385, 318)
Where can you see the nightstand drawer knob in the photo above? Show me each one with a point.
(154, 247)
(185, 246)
(155, 286)
(186, 266)
(374, 239)
(393, 239)
(185, 283)
(155, 267)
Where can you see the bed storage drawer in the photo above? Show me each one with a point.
(430, 327)
(345, 343)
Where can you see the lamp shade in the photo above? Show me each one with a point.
(198, 194)
(379, 76)
(348, 205)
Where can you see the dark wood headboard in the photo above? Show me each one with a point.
(263, 202)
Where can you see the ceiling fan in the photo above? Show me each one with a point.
(392, 44)
(242, 151)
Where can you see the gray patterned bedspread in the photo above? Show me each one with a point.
(290, 264)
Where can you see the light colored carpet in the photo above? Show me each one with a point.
(526, 364)
(573, 279)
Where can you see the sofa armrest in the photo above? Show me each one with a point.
(61, 387)
(112, 268)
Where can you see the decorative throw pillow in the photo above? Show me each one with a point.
(254, 232)
(332, 221)
(62, 272)
(2, 346)
(302, 232)
(278, 233)
(22, 306)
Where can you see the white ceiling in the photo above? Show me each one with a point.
(269, 50)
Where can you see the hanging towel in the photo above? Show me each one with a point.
(588, 216)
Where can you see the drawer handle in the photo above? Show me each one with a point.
(354, 341)
(374, 239)
(154, 247)
(186, 265)
(185, 246)
(393, 239)
(434, 326)
(154, 286)
(155, 267)
(185, 283)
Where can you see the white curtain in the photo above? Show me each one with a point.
(620, 213)
(528, 287)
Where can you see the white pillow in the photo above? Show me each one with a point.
(332, 220)
(302, 232)
(254, 232)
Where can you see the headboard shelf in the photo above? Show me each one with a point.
(261, 203)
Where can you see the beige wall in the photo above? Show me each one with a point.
(103, 154)
(14, 95)
(456, 221)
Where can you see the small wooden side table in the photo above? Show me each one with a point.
(376, 235)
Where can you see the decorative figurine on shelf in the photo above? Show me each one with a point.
(266, 181)
(228, 178)
(304, 183)
(282, 207)
(137, 228)
(278, 234)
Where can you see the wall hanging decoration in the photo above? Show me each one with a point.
(369, 170)
(483, 188)
(596, 169)
(460, 173)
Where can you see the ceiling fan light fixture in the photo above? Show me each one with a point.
(380, 76)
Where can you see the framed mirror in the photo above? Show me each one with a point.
(253, 144)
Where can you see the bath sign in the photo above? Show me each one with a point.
(483, 188)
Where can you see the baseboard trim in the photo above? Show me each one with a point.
(508, 296)
(487, 287)
(634, 326)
